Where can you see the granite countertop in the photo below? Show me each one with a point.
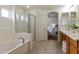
(72, 35)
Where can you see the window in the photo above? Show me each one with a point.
(22, 17)
(4, 13)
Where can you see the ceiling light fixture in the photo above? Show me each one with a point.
(27, 6)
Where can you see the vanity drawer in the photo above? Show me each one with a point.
(73, 50)
(74, 42)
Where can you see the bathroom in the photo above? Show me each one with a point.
(23, 29)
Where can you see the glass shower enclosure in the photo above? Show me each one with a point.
(25, 24)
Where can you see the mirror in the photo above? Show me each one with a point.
(73, 22)
(73, 17)
(65, 19)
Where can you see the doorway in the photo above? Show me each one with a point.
(52, 26)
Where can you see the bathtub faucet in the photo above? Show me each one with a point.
(22, 39)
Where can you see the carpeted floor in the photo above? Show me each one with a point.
(46, 47)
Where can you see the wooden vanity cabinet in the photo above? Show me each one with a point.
(72, 45)
(66, 38)
(68, 44)
(61, 36)
(73, 50)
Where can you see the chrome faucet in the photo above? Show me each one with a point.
(22, 39)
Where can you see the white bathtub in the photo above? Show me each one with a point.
(15, 46)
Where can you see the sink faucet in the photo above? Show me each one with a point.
(22, 39)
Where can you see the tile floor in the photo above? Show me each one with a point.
(46, 47)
